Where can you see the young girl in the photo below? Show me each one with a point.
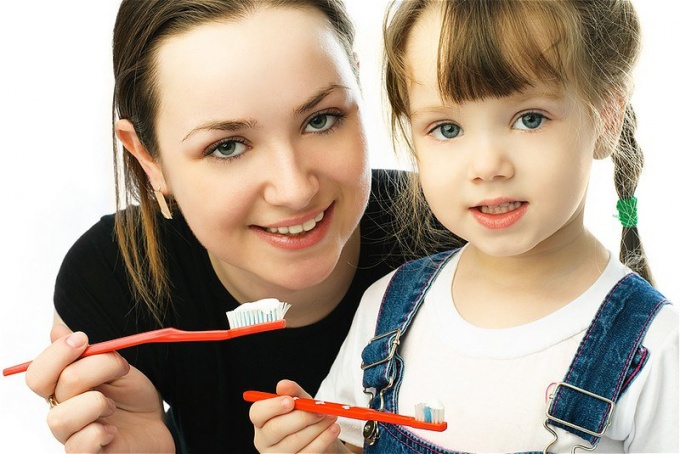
(533, 335)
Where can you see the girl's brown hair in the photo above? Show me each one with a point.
(141, 28)
(493, 48)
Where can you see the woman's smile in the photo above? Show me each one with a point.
(298, 236)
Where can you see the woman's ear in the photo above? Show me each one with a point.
(612, 114)
(125, 131)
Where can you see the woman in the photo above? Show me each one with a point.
(241, 121)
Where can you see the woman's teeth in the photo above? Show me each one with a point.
(500, 209)
(297, 229)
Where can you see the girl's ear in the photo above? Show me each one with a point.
(125, 131)
(612, 114)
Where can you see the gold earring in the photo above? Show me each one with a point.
(162, 204)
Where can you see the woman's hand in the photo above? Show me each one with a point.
(279, 428)
(104, 404)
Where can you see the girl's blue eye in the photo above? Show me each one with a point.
(227, 149)
(321, 122)
(528, 121)
(446, 131)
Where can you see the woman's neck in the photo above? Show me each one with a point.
(308, 305)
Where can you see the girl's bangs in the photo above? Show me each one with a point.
(490, 49)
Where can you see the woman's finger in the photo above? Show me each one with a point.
(88, 373)
(91, 439)
(43, 373)
(73, 415)
(59, 329)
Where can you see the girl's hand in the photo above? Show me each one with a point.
(104, 404)
(280, 428)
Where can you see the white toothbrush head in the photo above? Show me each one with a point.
(256, 312)
(432, 411)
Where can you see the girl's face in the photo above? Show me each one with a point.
(508, 174)
(262, 145)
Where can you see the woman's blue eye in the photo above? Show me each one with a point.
(228, 149)
(321, 122)
(531, 120)
(446, 131)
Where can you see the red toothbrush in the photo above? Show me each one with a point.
(364, 414)
(249, 318)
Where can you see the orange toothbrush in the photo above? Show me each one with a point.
(347, 411)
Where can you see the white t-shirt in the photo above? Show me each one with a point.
(494, 382)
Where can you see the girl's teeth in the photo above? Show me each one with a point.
(297, 229)
(500, 209)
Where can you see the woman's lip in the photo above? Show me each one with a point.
(298, 220)
(300, 241)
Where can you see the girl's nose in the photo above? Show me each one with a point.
(490, 160)
(292, 183)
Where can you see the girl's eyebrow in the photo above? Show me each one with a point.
(429, 110)
(241, 124)
(541, 91)
(529, 94)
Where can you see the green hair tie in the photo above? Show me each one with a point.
(627, 209)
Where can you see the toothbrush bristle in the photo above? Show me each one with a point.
(256, 312)
(430, 412)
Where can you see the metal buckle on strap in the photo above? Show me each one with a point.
(587, 393)
(393, 348)
(550, 417)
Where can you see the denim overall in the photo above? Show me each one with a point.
(609, 358)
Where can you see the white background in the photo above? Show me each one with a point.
(56, 172)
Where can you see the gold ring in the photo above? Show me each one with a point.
(52, 401)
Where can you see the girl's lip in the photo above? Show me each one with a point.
(499, 221)
(495, 202)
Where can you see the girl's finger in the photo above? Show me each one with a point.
(274, 421)
(73, 415)
(306, 439)
(325, 440)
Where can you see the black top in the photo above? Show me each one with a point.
(203, 382)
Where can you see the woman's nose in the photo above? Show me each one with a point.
(292, 182)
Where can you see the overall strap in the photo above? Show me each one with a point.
(404, 295)
(607, 360)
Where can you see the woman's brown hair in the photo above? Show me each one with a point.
(141, 28)
(493, 48)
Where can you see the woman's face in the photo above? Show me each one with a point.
(262, 144)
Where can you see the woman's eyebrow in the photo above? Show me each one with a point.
(317, 98)
(225, 125)
(239, 125)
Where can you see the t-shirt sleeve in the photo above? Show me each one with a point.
(92, 295)
(88, 294)
(654, 394)
(344, 381)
